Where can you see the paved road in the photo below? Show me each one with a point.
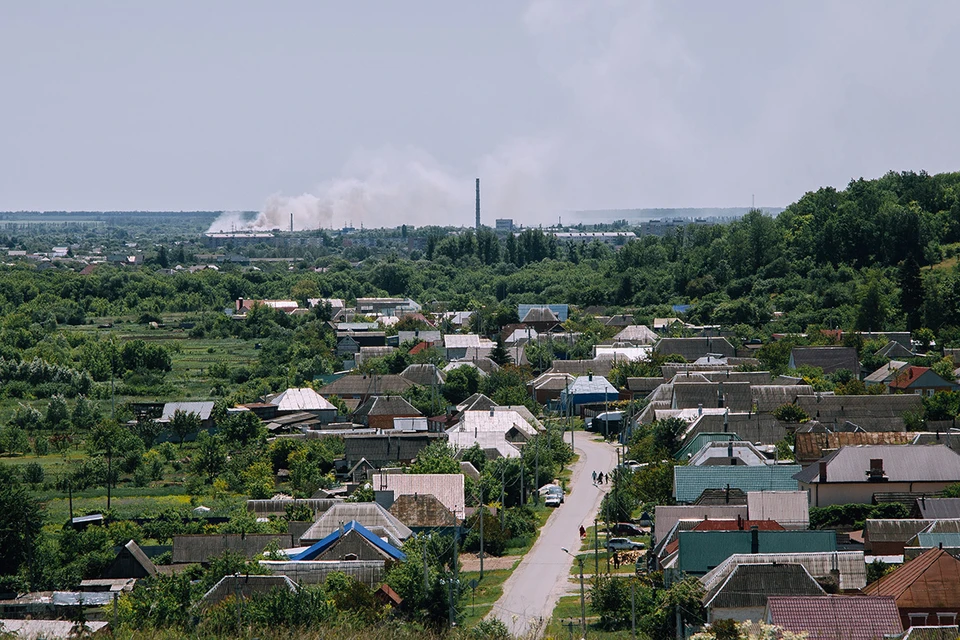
(531, 593)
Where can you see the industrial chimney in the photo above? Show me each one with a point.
(478, 204)
(291, 222)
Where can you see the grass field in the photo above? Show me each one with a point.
(478, 604)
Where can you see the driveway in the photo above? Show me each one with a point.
(531, 593)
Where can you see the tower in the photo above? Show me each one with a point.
(291, 222)
(478, 204)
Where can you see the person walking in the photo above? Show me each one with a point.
(594, 476)
(583, 532)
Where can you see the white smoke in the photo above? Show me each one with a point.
(389, 187)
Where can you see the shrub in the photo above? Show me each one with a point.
(790, 413)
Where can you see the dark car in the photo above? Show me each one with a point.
(627, 529)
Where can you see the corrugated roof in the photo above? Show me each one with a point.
(246, 586)
(769, 397)
(850, 564)
(749, 585)
(447, 488)
(357, 384)
(697, 441)
(928, 540)
(301, 399)
(810, 445)
(201, 409)
(592, 385)
(873, 413)
(939, 508)
(666, 516)
(722, 497)
(461, 341)
(599, 367)
(735, 396)
(829, 359)
(476, 402)
(369, 514)
(422, 511)
(885, 531)
(836, 617)
(689, 482)
(789, 508)
(901, 463)
(693, 348)
(887, 372)
(424, 375)
(929, 581)
(386, 406)
(49, 629)
(637, 334)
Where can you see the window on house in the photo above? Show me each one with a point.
(946, 619)
(918, 619)
(350, 556)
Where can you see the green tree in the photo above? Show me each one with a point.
(436, 457)
(911, 291)
(21, 524)
(500, 355)
(57, 415)
(14, 440)
(243, 428)
(184, 423)
(461, 383)
(211, 456)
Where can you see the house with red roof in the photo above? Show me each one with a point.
(926, 589)
(836, 617)
(922, 381)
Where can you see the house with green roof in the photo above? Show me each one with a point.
(701, 551)
(689, 481)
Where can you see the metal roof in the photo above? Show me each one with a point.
(836, 617)
(829, 359)
(701, 551)
(369, 514)
(689, 482)
(939, 508)
(749, 585)
(789, 508)
(448, 488)
(850, 565)
(201, 409)
(901, 463)
(301, 399)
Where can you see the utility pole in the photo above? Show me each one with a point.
(596, 548)
(633, 608)
(503, 491)
(536, 489)
(481, 536)
(426, 582)
(583, 606)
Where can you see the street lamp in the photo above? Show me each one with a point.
(583, 606)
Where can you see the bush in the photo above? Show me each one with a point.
(790, 413)
(33, 473)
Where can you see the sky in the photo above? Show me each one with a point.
(382, 112)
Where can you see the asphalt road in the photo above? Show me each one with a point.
(531, 593)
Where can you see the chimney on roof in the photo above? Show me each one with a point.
(726, 497)
(876, 474)
(491, 412)
(754, 539)
(700, 409)
(739, 522)
(823, 471)
(590, 377)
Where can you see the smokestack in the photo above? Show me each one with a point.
(478, 204)
(291, 222)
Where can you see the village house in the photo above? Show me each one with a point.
(925, 589)
(922, 381)
(855, 474)
(833, 617)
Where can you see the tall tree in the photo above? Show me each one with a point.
(911, 291)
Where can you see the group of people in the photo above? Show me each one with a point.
(599, 478)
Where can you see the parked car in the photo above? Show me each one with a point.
(552, 500)
(552, 491)
(624, 544)
(627, 529)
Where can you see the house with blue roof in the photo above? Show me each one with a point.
(352, 541)
(690, 481)
(587, 390)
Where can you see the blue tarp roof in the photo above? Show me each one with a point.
(321, 546)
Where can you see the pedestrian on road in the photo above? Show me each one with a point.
(600, 477)
(594, 476)
(583, 532)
